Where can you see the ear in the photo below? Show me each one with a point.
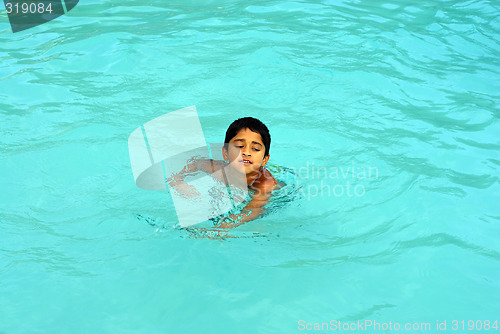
(225, 155)
(265, 160)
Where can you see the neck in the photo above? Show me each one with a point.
(253, 176)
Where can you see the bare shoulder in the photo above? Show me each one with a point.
(265, 182)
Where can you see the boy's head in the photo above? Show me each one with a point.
(249, 137)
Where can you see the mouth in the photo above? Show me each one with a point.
(246, 162)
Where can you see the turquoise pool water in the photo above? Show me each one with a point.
(406, 90)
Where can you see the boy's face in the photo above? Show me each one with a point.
(247, 150)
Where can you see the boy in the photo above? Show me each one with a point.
(246, 148)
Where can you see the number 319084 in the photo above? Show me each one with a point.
(26, 8)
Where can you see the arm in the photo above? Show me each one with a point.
(252, 210)
(177, 180)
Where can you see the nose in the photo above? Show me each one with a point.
(245, 151)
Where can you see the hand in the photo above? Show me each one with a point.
(228, 222)
(186, 190)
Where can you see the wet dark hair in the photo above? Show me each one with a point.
(253, 124)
